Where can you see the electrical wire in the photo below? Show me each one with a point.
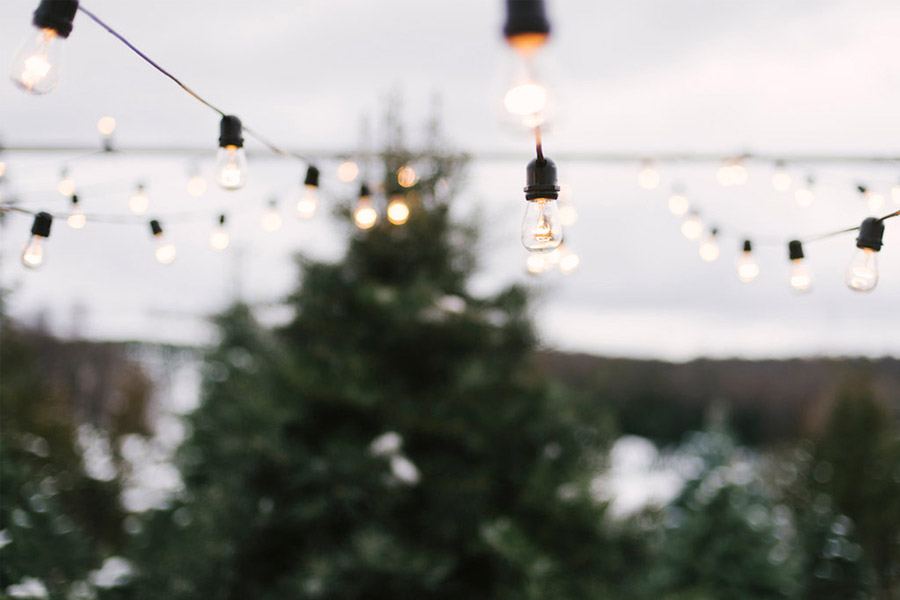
(252, 132)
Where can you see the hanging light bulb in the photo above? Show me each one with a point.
(196, 184)
(309, 195)
(804, 195)
(535, 263)
(139, 201)
(365, 215)
(66, 185)
(348, 171)
(709, 247)
(800, 279)
(648, 176)
(541, 227)
(271, 218)
(33, 254)
(219, 238)
(76, 219)
(526, 30)
(732, 172)
(407, 176)
(678, 202)
(874, 200)
(106, 126)
(398, 209)
(747, 267)
(165, 251)
(231, 163)
(692, 226)
(781, 178)
(862, 274)
(36, 66)
(568, 259)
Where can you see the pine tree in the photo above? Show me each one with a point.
(394, 440)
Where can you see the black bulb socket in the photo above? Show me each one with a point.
(871, 232)
(155, 228)
(57, 15)
(41, 225)
(747, 246)
(74, 199)
(862, 189)
(312, 176)
(230, 132)
(540, 180)
(364, 191)
(795, 250)
(524, 17)
(221, 219)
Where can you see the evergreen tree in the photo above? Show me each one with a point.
(395, 440)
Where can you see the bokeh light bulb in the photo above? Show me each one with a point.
(36, 66)
(348, 171)
(308, 202)
(781, 178)
(196, 185)
(106, 126)
(364, 214)
(648, 176)
(407, 176)
(804, 195)
(218, 237)
(535, 264)
(692, 226)
(568, 214)
(801, 279)
(747, 267)
(568, 260)
(398, 210)
(139, 202)
(678, 204)
(271, 219)
(165, 251)
(66, 185)
(875, 201)
(33, 253)
(76, 218)
(709, 247)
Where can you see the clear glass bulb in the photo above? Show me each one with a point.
(526, 98)
(364, 215)
(33, 254)
(219, 238)
(862, 274)
(271, 219)
(692, 227)
(747, 267)
(709, 249)
(196, 186)
(804, 197)
(308, 202)
(76, 219)
(139, 202)
(398, 210)
(36, 66)
(541, 227)
(231, 167)
(781, 180)
(801, 279)
(165, 251)
(678, 204)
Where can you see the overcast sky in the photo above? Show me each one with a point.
(637, 76)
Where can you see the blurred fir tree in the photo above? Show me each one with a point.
(395, 440)
(722, 537)
(57, 523)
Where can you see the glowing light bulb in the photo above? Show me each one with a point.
(862, 274)
(407, 176)
(692, 226)
(76, 219)
(231, 167)
(139, 202)
(308, 202)
(804, 195)
(648, 176)
(106, 126)
(875, 201)
(196, 185)
(781, 178)
(33, 253)
(365, 215)
(526, 100)
(271, 219)
(709, 248)
(165, 252)
(536, 264)
(731, 173)
(747, 267)
(398, 210)
(348, 171)
(541, 226)
(678, 204)
(801, 279)
(66, 185)
(36, 65)
(568, 260)
(219, 238)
